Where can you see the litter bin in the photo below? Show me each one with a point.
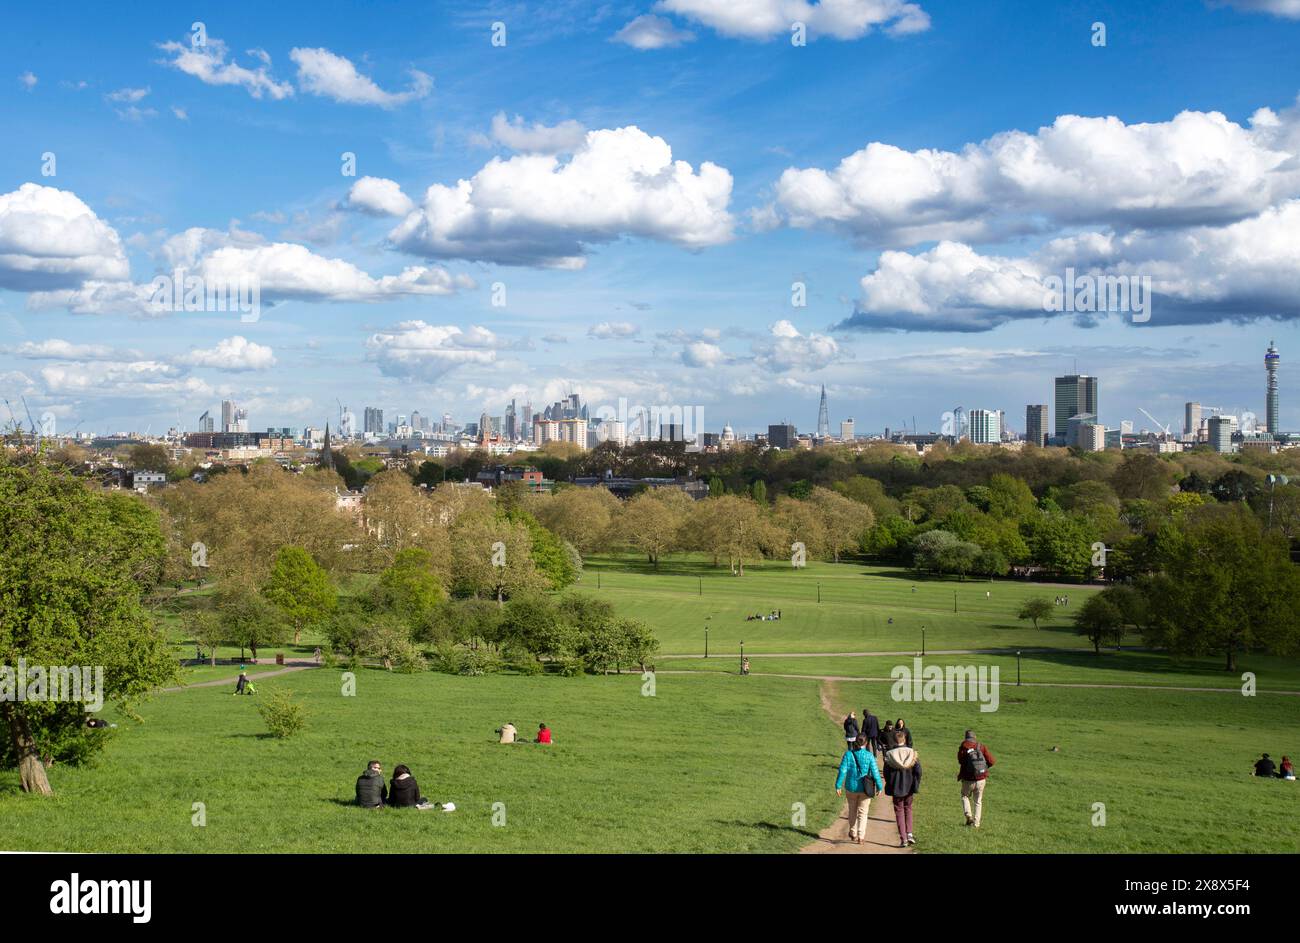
(279, 658)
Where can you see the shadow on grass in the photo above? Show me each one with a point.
(770, 827)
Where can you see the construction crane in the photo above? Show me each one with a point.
(1159, 425)
(30, 420)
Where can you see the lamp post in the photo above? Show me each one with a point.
(1017, 669)
(706, 641)
(954, 600)
(819, 592)
(701, 579)
(922, 641)
(742, 656)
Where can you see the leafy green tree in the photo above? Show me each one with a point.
(1100, 620)
(300, 589)
(533, 622)
(716, 487)
(1225, 586)
(248, 619)
(758, 491)
(1037, 609)
(209, 632)
(75, 565)
(409, 588)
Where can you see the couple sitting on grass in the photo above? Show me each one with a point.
(509, 733)
(403, 792)
(1266, 768)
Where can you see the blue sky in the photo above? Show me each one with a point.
(625, 275)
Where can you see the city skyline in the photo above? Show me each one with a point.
(882, 246)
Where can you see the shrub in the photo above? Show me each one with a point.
(478, 661)
(283, 715)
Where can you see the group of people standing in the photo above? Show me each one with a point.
(897, 773)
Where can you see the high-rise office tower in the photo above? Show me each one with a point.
(1076, 396)
(986, 426)
(373, 421)
(227, 416)
(823, 417)
(1191, 419)
(846, 430)
(1221, 430)
(782, 436)
(205, 422)
(1271, 361)
(1036, 424)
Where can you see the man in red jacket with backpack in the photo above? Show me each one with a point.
(973, 762)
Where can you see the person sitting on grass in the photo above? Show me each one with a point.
(371, 791)
(1286, 770)
(1265, 767)
(507, 732)
(403, 791)
(543, 733)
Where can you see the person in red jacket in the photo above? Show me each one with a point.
(543, 734)
(973, 762)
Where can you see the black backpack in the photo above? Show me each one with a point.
(973, 762)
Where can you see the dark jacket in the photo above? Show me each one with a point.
(371, 791)
(870, 726)
(850, 728)
(1265, 767)
(961, 767)
(886, 739)
(907, 730)
(404, 792)
(902, 772)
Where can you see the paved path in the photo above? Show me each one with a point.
(911, 652)
(882, 833)
(1005, 684)
(226, 682)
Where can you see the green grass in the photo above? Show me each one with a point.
(1127, 667)
(684, 771)
(714, 762)
(1171, 768)
(857, 602)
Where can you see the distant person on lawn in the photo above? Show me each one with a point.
(851, 730)
(973, 762)
(403, 791)
(859, 774)
(543, 733)
(1265, 767)
(371, 791)
(902, 783)
(508, 732)
(1286, 770)
(242, 684)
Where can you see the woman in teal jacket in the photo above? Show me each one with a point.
(860, 775)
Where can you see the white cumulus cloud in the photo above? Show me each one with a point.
(50, 239)
(208, 64)
(232, 354)
(330, 75)
(767, 19)
(379, 197)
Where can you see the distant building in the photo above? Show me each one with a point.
(986, 426)
(372, 422)
(1221, 430)
(143, 480)
(846, 430)
(1076, 395)
(1191, 419)
(206, 423)
(1036, 425)
(1271, 361)
(1092, 437)
(823, 417)
(783, 436)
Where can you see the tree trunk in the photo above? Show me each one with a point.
(30, 769)
(297, 634)
(213, 657)
(1232, 659)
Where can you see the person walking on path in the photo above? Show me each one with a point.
(851, 730)
(871, 729)
(902, 783)
(860, 775)
(973, 762)
(907, 731)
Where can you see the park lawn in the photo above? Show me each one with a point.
(686, 595)
(1110, 667)
(1172, 770)
(675, 772)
